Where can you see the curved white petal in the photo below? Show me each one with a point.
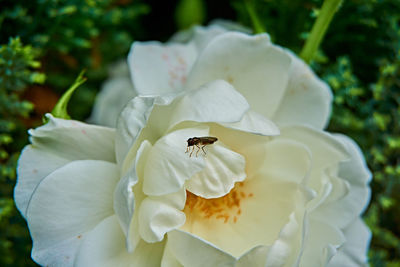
(192, 251)
(198, 36)
(61, 254)
(104, 246)
(307, 99)
(355, 174)
(75, 140)
(168, 166)
(169, 260)
(287, 160)
(131, 122)
(354, 251)
(287, 248)
(125, 199)
(159, 215)
(355, 171)
(69, 202)
(252, 214)
(110, 101)
(216, 101)
(223, 168)
(250, 146)
(255, 67)
(54, 145)
(257, 256)
(201, 36)
(255, 123)
(160, 69)
(321, 243)
(325, 150)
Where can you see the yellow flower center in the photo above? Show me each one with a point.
(226, 208)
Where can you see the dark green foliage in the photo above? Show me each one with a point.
(359, 58)
(17, 71)
(73, 35)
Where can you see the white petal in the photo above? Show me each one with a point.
(287, 248)
(355, 174)
(199, 36)
(255, 123)
(307, 99)
(33, 165)
(105, 246)
(216, 101)
(159, 215)
(325, 150)
(61, 254)
(75, 139)
(69, 202)
(168, 166)
(192, 251)
(250, 146)
(223, 169)
(158, 69)
(355, 171)
(230, 25)
(125, 200)
(54, 145)
(131, 122)
(354, 251)
(133, 236)
(252, 214)
(255, 67)
(286, 160)
(321, 238)
(110, 101)
(254, 257)
(169, 260)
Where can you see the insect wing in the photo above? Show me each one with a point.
(208, 140)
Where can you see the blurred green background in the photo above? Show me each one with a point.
(44, 44)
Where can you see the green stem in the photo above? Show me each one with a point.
(325, 16)
(60, 109)
(257, 25)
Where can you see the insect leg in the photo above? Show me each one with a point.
(187, 149)
(191, 152)
(197, 150)
(202, 148)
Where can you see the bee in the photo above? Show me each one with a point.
(200, 143)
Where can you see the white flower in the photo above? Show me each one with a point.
(274, 190)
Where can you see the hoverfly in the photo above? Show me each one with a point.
(200, 143)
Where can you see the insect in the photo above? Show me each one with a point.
(200, 143)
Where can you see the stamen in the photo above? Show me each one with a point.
(226, 208)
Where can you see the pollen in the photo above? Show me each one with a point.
(226, 209)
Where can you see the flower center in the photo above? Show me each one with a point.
(226, 208)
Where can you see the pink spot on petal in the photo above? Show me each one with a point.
(165, 57)
(84, 132)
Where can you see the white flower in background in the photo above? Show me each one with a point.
(274, 190)
(113, 96)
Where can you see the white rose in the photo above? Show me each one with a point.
(274, 190)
